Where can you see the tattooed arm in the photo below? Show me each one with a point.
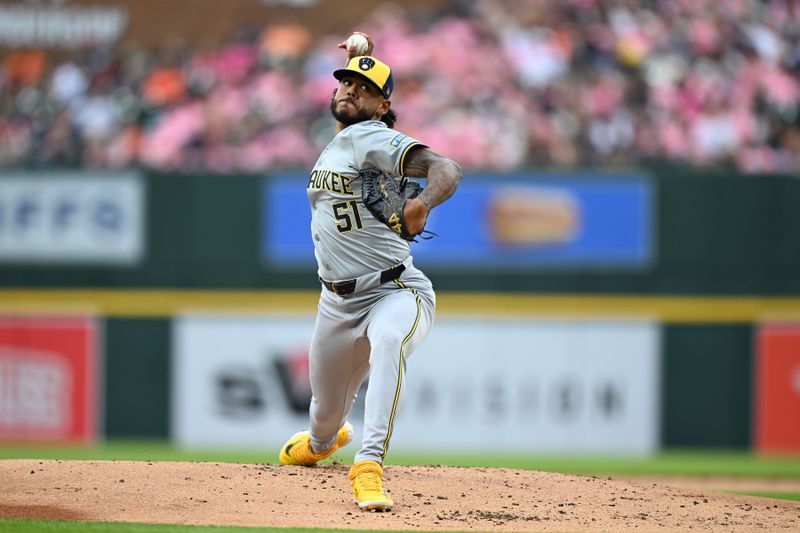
(443, 176)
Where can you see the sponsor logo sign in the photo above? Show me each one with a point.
(239, 380)
(541, 222)
(71, 219)
(60, 24)
(777, 394)
(48, 379)
(546, 386)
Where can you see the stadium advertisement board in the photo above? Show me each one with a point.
(239, 380)
(536, 221)
(546, 386)
(72, 218)
(59, 24)
(777, 394)
(78, 24)
(48, 379)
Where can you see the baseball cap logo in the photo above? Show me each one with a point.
(366, 63)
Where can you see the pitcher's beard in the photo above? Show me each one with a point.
(349, 118)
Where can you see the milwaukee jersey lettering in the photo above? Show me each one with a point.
(348, 241)
(330, 181)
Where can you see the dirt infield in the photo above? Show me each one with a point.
(426, 497)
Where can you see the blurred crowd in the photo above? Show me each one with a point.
(497, 85)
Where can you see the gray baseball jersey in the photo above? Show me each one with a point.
(375, 329)
(348, 241)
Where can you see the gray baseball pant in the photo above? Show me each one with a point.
(371, 332)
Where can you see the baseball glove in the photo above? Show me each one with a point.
(386, 197)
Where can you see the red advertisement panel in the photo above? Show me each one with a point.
(777, 395)
(48, 379)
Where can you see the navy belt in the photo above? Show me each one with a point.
(343, 288)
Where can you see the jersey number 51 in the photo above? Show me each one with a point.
(342, 212)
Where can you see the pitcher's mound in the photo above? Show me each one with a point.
(426, 498)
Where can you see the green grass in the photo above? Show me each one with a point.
(53, 526)
(678, 463)
(776, 494)
(670, 463)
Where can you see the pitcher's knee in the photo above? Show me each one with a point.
(388, 349)
(388, 341)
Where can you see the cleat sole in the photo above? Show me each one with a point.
(375, 506)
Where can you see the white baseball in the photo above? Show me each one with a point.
(357, 44)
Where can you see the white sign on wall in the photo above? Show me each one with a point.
(534, 385)
(239, 380)
(545, 386)
(71, 218)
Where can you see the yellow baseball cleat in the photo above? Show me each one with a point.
(297, 450)
(367, 478)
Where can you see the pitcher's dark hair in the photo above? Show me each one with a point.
(389, 118)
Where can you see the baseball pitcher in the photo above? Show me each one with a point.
(375, 307)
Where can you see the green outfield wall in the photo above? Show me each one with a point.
(706, 394)
(726, 256)
(715, 235)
